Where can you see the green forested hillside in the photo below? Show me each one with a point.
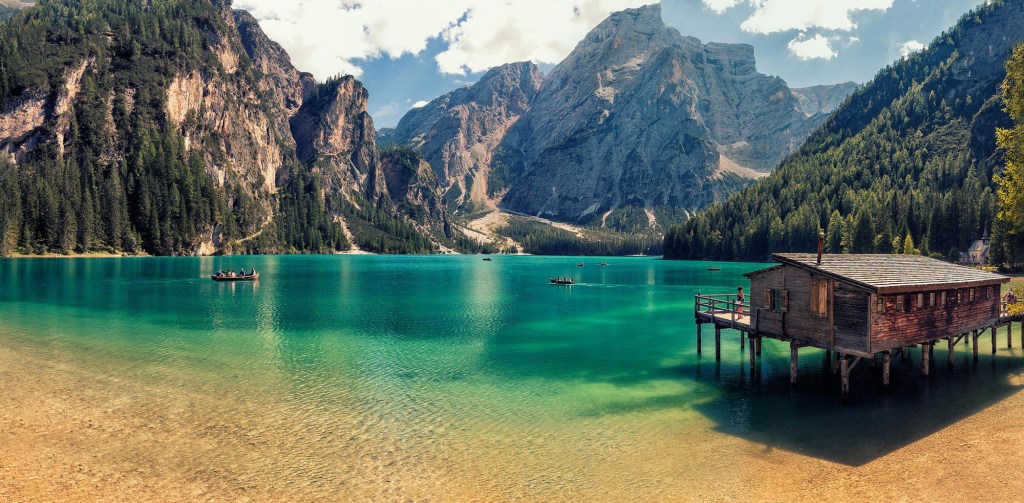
(107, 169)
(153, 198)
(910, 155)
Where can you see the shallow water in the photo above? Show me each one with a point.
(449, 377)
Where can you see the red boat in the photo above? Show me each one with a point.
(235, 277)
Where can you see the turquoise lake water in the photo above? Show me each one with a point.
(397, 375)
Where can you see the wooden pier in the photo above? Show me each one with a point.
(857, 307)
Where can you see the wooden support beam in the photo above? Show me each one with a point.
(846, 377)
(952, 347)
(699, 325)
(993, 340)
(718, 343)
(1009, 337)
(752, 355)
(759, 346)
(885, 368)
(975, 344)
(793, 349)
(835, 363)
(925, 357)
(743, 339)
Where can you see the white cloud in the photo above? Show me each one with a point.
(720, 6)
(327, 37)
(816, 47)
(773, 16)
(911, 46)
(420, 104)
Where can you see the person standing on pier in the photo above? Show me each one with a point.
(739, 299)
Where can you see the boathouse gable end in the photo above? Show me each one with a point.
(864, 304)
(822, 311)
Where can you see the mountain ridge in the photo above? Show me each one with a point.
(909, 156)
(559, 157)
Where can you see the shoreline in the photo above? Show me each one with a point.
(106, 427)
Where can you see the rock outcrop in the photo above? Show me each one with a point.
(641, 116)
(823, 99)
(335, 135)
(416, 190)
(289, 87)
(458, 132)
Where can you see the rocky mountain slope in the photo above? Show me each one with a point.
(180, 128)
(908, 159)
(824, 99)
(639, 126)
(458, 132)
(639, 116)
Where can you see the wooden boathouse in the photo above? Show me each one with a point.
(859, 306)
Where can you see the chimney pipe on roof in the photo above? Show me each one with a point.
(821, 245)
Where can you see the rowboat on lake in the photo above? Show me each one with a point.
(562, 281)
(235, 277)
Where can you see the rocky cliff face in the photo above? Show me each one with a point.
(458, 132)
(279, 149)
(288, 86)
(416, 190)
(640, 116)
(335, 135)
(824, 99)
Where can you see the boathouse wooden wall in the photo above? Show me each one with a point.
(896, 328)
(845, 327)
(850, 306)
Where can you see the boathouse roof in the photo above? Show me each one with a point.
(890, 273)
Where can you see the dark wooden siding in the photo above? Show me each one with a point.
(801, 322)
(851, 317)
(895, 328)
(767, 320)
(848, 306)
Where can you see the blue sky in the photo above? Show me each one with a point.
(407, 52)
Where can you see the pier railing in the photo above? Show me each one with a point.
(723, 306)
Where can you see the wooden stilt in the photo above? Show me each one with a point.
(699, 325)
(743, 339)
(718, 343)
(925, 357)
(1009, 338)
(752, 355)
(885, 368)
(975, 344)
(846, 376)
(759, 346)
(993, 340)
(828, 356)
(793, 349)
(835, 363)
(952, 347)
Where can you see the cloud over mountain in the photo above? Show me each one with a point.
(328, 37)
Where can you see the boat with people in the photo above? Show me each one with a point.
(241, 275)
(563, 281)
(714, 268)
(488, 259)
(579, 264)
